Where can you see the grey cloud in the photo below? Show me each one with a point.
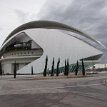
(79, 14)
(24, 16)
(88, 15)
(21, 15)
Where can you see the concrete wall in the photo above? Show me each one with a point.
(7, 68)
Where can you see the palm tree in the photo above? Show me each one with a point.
(52, 72)
(15, 70)
(65, 68)
(0, 69)
(83, 68)
(31, 70)
(76, 72)
(45, 69)
(57, 71)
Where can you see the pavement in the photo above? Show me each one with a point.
(68, 92)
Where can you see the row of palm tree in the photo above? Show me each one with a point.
(83, 68)
(66, 68)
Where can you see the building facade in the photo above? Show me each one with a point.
(29, 44)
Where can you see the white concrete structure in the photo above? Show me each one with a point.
(100, 66)
(29, 44)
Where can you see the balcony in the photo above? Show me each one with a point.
(20, 53)
(19, 46)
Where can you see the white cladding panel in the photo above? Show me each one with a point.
(58, 45)
(7, 68)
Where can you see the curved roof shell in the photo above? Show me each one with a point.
(49, 25)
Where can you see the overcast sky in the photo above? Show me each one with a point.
(88, 15)
(13, 13)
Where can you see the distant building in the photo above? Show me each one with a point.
(29, 44)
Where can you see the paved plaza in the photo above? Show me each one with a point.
(68, 92)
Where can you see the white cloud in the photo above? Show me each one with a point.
(16, 12)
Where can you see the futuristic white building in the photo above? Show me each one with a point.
(29, 44)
